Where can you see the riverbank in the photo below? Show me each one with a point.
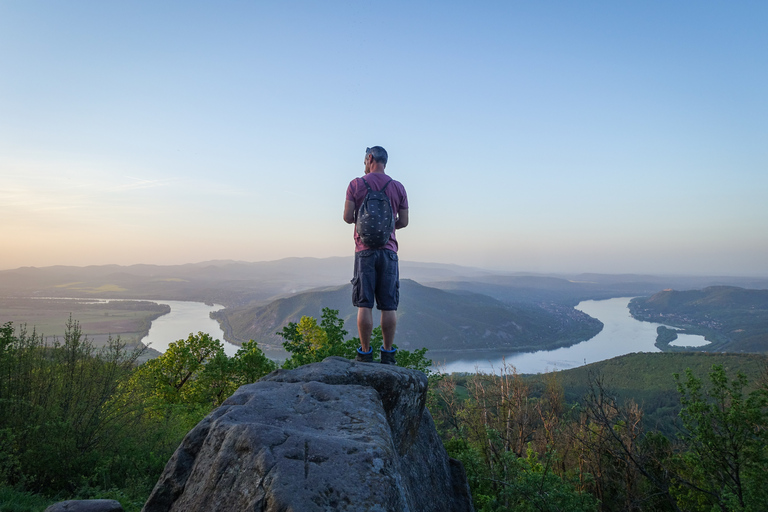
(183, 319)
(621, 335)
(99, 319)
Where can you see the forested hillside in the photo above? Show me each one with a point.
(427, 317)
(643, 432)
(733, 319)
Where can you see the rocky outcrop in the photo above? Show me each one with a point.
(332, 436)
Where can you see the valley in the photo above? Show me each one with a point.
(453, 311)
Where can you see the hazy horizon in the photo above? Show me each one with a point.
(489, 270)
(548, 138)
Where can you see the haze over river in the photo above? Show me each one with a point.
(621, 334)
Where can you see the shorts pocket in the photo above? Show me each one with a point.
(355, 290)
(389, 264)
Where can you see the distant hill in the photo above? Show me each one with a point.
(427, 317)
(231, 283)
(734, 319)
(239, 283)
(224, 282)
(574, 289)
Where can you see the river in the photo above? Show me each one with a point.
(185, 318)
(621, 335)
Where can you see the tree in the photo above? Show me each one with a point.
(196, 372)
(57, 418)
(250, 364)
(725, 434)
(174, 377)
(625, 462)
(308, 342)
(506, 440)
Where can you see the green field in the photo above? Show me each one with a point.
(130, 320)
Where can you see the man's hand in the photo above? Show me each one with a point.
(402, 219)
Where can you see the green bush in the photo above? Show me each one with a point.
(12, 500)
(308, 342)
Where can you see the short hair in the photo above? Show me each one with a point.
(379, 154)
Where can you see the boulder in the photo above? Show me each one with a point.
(332, 436)
(86, 506)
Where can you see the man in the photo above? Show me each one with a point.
(377, 276)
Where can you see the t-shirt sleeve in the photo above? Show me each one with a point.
(404, 197)
(351, 191)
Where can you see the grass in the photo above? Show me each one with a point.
(16, 501)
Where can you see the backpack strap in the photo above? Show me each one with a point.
(382, 188)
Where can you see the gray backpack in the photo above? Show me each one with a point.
(375, 220)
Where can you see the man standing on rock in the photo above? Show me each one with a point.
(377, 276)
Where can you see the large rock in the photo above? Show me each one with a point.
(336, 435)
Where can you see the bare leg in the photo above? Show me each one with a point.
(364, 327)
(388, 326)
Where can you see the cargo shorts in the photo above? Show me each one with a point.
(376, 278)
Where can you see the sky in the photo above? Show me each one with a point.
(531, 136)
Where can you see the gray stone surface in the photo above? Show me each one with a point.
(332, 436)
(86, 506)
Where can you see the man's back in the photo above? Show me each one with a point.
(395, 191)
(376, 279)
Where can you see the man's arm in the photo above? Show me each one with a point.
(402, 219)
(349, 212)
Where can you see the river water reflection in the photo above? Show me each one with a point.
(185, 318)
(621, 335)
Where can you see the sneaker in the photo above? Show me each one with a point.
(364, 357)
(388, 356)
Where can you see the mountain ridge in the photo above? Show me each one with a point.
(427, 317)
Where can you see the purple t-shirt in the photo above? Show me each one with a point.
(397, 197)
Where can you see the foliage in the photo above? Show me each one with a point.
(665, 336)
(615, 449)
(725, 432)
(80, 421)
(89, 423)
(511, 443)
(520, 484)
(56, 418)
(308, 342)
(250, 364)
(12, 500)
(518, 436)
(197, 373)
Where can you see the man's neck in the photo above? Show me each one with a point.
(377, 169)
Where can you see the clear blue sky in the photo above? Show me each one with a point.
(531, 136)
